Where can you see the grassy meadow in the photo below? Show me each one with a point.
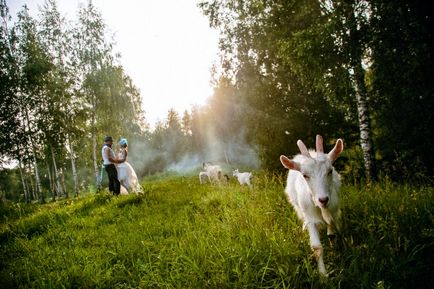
(181, 234)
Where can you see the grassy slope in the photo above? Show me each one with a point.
(183, 235)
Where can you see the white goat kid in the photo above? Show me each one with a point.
(243, 178)
(312, 189)
(214, 172)
(203, 177)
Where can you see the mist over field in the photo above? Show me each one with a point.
(232, 154)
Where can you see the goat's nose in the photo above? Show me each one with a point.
(324, 200)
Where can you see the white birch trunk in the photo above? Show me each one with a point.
(23, 181)
(50, 178)
(56, 174)
(62, 181)
(364, 123)
(35, 162)
(32, 184)
(95, 162)
(36, 169)
(357, 74)
(73, 166)
(94, 145)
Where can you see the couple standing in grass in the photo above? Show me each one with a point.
(121, 174)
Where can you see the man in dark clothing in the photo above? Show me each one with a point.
(109, 159)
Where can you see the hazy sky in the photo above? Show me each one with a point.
(167, 48)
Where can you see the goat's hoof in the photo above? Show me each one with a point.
(322, 271)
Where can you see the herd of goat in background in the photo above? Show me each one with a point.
(213, 174)
(312, 188)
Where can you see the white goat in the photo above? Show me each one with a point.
(203, 177)
(214, 172)
(243, 178)
(312, 189)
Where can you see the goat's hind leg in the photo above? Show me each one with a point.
(315, 244)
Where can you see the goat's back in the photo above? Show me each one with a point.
(214, 172)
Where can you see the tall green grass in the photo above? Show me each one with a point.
(180, 234)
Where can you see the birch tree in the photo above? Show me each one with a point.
(112, 99)
(9, 105)
(57, 39)
(335, 49)
(11, 132)
(93, 53)
(33, 67)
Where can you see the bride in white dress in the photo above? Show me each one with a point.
(126, 174)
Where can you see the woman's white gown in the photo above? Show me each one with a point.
(127, 176)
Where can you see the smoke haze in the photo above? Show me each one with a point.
(232, 154)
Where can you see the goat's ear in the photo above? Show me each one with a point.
(337, 150)
(289, 164)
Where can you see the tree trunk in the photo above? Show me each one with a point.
(36, 169)
(50, 178)
(95, 159)
(32, 184)
(28, 182)
(364, 123)
(56, 174)
(62, 181)
(35, 162)
(357, 74)
(94, 145)
(23, 181)
(73, 167)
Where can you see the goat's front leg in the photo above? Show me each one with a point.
(315, 244)
(331, 220)
(332, 229)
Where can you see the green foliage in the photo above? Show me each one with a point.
(350, 165)
(402, 85)
(302, 67)
(277, 56)
(10, 211)
(9, 184)
(181, 234)
(60, 84)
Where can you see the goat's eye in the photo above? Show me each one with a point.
(306, 177)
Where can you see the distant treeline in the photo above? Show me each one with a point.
(359, 70)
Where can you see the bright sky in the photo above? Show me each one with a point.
(166, 46)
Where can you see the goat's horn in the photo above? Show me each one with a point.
(303, 148)
(337, 150)
(319, 144)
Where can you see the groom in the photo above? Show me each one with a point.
(109, 159)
